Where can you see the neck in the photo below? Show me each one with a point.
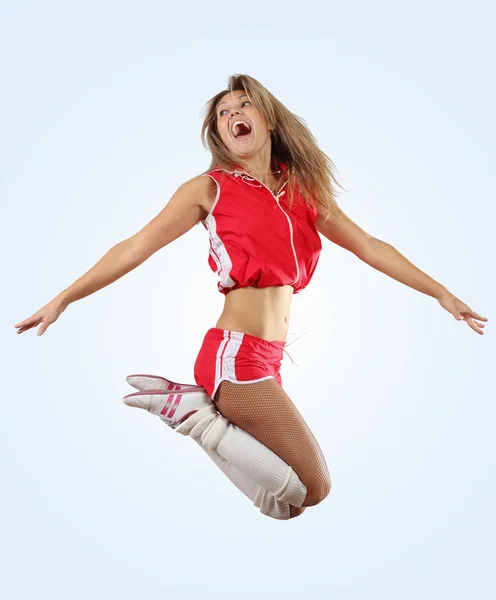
(259, 166)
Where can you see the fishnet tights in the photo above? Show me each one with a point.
(266, 412)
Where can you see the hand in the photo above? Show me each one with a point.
(462, 312)
(46, 316)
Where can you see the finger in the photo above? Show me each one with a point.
(465, 318)
(43, 327)
(31, 322)
(474, 315)
(23, 329)
(471, 324)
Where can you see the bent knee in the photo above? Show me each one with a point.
(317, 491)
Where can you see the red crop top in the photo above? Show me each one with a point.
(255, 239)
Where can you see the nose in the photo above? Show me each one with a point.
(234, 111)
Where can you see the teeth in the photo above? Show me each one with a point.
(233, 127)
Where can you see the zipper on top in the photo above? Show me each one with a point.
(276, 198)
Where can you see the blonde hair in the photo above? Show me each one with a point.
(309, 169)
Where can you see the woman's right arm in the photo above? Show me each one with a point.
(184, 210)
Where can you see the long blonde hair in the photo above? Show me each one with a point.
(309, 169)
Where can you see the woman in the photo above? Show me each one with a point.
(267, 195)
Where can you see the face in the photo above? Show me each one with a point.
(241, 125)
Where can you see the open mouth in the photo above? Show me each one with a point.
(240, 130)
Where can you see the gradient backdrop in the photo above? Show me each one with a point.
(100, 119)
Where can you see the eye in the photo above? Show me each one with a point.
(224, 110)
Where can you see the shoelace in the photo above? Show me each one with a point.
(289, 344)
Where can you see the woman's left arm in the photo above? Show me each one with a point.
(380, 255)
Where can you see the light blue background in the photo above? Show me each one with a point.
(100, 120)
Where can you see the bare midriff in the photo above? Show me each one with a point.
(262, 312)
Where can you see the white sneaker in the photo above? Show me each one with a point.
(171, 407)
(155, 382)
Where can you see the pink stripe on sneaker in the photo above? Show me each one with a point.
(167, 404)
(184, 417)
(174, 408)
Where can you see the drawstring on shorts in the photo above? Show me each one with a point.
(289, 344)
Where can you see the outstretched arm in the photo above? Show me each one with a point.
(182, 212)
(385, 258)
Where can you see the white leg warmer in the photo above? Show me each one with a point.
(279, 485)
(261, 498)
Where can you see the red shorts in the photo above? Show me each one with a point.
(236, 357)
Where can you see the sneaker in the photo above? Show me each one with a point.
(155, 382)
(172, 408)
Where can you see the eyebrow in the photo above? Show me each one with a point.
(239, 98)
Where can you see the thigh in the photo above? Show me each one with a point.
(266, 412)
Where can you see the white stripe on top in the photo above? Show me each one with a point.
(218, 250)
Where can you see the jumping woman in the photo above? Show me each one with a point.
(267, 197)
